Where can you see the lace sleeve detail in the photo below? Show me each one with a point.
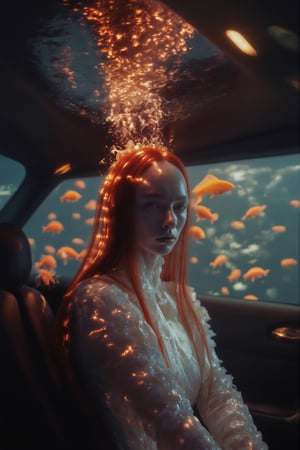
(119, 356)
(220, 404)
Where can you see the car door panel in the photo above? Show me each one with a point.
(265, 368)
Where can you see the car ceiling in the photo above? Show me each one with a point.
(260, 100)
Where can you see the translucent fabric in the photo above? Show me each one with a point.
(115, 349)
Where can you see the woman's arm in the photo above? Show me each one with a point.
(220, 404)
(118, 355)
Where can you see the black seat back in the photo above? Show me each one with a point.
(30, 386)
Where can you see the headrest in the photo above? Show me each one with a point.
(15, 257)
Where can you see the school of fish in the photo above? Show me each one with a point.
(210, 186)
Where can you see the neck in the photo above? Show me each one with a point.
(149, 266)
(149, 269)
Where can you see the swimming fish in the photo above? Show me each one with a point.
(76, 216)
(70, 196)
(46, 262)
(80, 184)
(91, 205)
(234, 275)
(31, 242)
(288, 262)
(45, 277)
(49, 249)
(237, 225)
(250, 297)
(77, 241)
(51, 216)
(211, 185)
(224, 290)
(253, 211)
(197, 232)
(65, 253)
(53, 227)
(295, 203)
(202, 212)
(255, 272)
(219, 260)
(90, 221)
(279, 228)
(194, 259)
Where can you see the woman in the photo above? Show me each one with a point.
(134, 335)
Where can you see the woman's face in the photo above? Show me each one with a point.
(160, 208)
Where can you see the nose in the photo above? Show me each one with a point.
(169, 219)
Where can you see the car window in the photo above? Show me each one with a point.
(249, 247)
(244, 230)
(12, 174)
(59, 231)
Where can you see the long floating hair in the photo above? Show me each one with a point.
(112, 240)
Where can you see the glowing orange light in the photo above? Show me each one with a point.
(241, 42)
(65, 168)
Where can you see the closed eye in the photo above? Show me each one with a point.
(180, 206)
(151, 205)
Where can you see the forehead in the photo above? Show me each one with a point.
(162, 178)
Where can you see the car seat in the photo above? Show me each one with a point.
(38, 410)
(30, 387)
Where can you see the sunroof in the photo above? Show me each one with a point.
(133, 65)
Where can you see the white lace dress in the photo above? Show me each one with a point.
(118, 353)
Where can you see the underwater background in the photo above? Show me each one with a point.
(273, 182)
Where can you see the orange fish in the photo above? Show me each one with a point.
(237, 225)
(250, 297)
(255, 272)
(197, 232)
(46, 262)
(80, 184)
(224, 290)
(31, 241)
(279, 228)
(202, 212)
(211, 185)
(295, 203)
(234, 275)
(288, 262)
(194, 259)
(76, 216)
(49, 249)
(70, 196)
(90, 221)
(78, 241)
(91, 205)
(254, 211)
(51, 216)
(65, 253)
(83, 253)
(220, 260)
(53, 227)
(45, 277)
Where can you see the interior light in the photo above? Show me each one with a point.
(241, 42)
(65, 168)
(295, 83)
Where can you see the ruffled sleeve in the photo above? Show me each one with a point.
(220, 404)
(118, 354)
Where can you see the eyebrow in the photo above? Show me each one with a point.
(157, 195)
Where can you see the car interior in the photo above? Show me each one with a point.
(217, 82)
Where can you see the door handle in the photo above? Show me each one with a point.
(290, 333)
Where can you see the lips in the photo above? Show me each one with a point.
(166, 238)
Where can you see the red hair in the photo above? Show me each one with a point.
(112, 240)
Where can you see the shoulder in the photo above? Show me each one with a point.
(97, 288)
(100, 295)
